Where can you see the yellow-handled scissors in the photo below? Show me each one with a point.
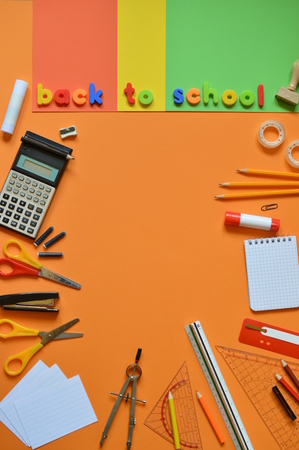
(46, 336)
(23, 264)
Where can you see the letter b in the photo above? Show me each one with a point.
(44, 96)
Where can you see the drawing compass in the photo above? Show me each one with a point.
(133, 373)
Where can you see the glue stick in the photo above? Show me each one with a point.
(14, 106)
(249, 221)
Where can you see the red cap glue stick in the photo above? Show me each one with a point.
(249, 221)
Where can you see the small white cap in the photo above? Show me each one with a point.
(20, 88)
(6, 128)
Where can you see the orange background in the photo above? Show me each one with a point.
(147, 241)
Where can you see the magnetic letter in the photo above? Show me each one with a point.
(247, 98)
(129, 91)
(145, 97)
(209, 91)
(193, 96)
(44, 96)
(260, 91)
(95, 96)
(229, 97)
(178, 96)
(62, 96)
(79, 97)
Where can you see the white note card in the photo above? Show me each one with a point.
(44, 380)
(272, 273)
(55, 412)
(17, 391)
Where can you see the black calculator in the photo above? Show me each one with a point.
(31, 183)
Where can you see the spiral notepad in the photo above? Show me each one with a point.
(272, 273)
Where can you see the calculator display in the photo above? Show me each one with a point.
(37, 168)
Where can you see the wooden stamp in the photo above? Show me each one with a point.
(289, 94)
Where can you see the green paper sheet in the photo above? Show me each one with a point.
(231, 44)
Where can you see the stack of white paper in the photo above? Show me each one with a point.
(45, 406)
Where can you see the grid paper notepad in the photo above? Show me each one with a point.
(272, 273)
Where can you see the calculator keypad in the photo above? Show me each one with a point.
(23, 203)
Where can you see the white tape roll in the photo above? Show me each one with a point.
(288, 154)
(281, 134)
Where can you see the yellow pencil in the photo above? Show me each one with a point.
(258, 183)
(174, 424)
(257, 194)
(269, 172)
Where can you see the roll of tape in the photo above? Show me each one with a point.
(288, 154)
(281, 134)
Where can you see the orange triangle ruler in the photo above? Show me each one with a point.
(256, 375)
(159, 418)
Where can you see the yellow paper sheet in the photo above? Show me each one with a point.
(141, 52)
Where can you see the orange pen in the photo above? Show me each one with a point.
(210, 417)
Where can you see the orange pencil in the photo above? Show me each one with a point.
(269, 172)
(258, 194)
(258, 183)
(210, 417)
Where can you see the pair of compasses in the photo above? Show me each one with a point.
(133, 373)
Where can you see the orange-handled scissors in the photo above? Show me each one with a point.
(25, 356)
(23, 264)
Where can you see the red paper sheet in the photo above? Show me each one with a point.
(75, 44)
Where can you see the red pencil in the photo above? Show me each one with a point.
(287, 386)
(290, 372)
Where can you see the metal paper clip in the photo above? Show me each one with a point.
(269, 207)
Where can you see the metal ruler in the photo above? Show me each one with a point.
(218, 386)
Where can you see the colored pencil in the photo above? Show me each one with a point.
(257, 194)
(210, 417)
(290, 373)
(268, 172)
(174, 424)
(283, 402)
(258, 183)
(287, 386)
